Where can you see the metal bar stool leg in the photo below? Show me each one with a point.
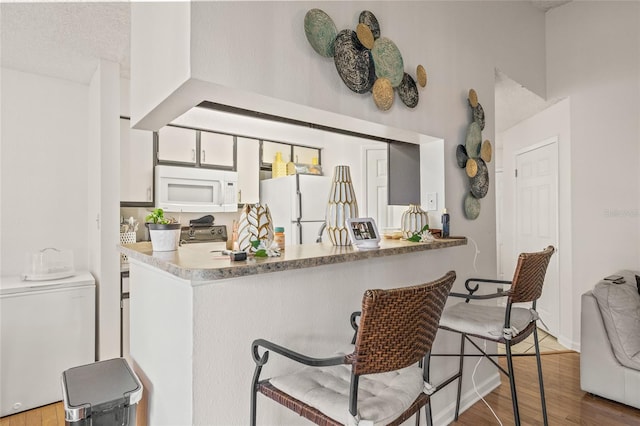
(540, 380)
(428, 415)
(462, 337)
(512, 384)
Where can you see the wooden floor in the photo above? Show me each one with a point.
(49, 415)
(566, 403)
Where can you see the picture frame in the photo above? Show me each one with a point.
(363, 233)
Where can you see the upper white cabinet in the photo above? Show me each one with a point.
(177, 144)
(295, 153)
(192, 147)
(269, 150)
(248, 170)
(305, 155)
(217, 149)
(136, 165)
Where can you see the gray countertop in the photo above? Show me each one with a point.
(195, 262)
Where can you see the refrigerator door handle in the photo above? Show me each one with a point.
(299, 225)
(299, 206)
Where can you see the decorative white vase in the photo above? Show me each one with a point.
(255, 225)
(342, 206)
(413, 220)
(164, 237)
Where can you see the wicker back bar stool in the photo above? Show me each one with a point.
(382, 379)
(508, 324)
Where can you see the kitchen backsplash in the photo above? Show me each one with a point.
(139, 213)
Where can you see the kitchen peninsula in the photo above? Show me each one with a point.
(195, 313)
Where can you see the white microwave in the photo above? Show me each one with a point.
(189, 189)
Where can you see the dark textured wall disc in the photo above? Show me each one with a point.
(461, 156)
(370, 20)
(353, 62)
(408, 91)
(478, 115)
(480, 182)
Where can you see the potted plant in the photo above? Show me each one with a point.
(164, 232)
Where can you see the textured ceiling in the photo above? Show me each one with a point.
(64, 40)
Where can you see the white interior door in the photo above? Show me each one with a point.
(537, 217)
(377, 186)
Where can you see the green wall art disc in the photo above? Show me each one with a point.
(320, 31)
(388, 61)
(471, 207)
(474, 140)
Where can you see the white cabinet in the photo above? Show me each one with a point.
(216, 149)
(177, 144)
(269, 150)
(248, 170)
(295, 153)
(192, 147)
(136, 165)
(305, 155)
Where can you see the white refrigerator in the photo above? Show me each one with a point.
(298, 203)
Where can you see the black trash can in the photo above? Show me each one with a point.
(104, 393)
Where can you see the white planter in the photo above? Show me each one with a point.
(164, 237)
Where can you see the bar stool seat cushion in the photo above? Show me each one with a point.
(484, 321)
(381, 397)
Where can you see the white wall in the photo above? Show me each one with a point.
(44, 168)
(60, 170)
(552, 122)
(103, 161)
(593, 58)
(255, 55)
(165, 61)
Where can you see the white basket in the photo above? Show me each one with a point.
(126, 238)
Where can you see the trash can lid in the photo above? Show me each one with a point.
(98, 386)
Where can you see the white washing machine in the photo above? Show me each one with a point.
(46, 327)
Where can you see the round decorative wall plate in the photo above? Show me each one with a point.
(471, 207)
(473, 98)
(473, 140)
(370, 20)
(383, 94)
(478, 115)
(486, 152)
(471, 167)
(320, 31)
(480, 182)
(461, 156)
(421, 75)
(365, 36)
(353, 62)
(388, 61)
(408, 91)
